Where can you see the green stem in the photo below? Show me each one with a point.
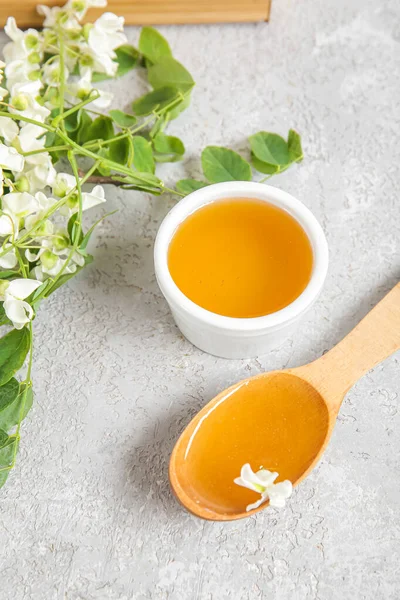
(94, 94)
(17, 117)
(101, 143)
(49, 149)
(62, 78)
(140, 177)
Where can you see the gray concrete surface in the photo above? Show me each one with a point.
(87, 514)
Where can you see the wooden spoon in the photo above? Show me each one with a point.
(330, 377)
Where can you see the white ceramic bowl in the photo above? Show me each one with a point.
(238, 337)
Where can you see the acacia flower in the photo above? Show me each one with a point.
(13, 294)
(106, 34)
(82, 88)
(263, 483)
(8, 129)
(11, 159)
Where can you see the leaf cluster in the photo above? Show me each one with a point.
(270, 154)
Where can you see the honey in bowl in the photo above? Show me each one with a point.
(240, 257)
(276, 422)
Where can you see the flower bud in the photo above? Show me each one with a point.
(31, 41)
(46, 228)
(86, 60)
(22, 184)
(3, 286)
(34, 58)
(50, 38)
(73, 201)
(20, 102)
(60, 242)
(34, 75)
(48, 259)
(86, 30)
(78, 6)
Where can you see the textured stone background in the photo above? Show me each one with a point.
(87, 514)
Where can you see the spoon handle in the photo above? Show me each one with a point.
(375, 338)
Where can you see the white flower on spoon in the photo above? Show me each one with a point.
(263, 483)
(13, 295)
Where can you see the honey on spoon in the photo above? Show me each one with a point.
(279, 421)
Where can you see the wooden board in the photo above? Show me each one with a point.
(152, 12)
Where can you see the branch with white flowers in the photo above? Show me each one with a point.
(49, 113)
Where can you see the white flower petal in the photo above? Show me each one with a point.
(279, 492)
(103, 101)
(38, 274)
(18, 311)
(31, 256)
(20, 204)
(10, 159)
(63, 184)
(12, 30)
(264, 498)
(8, 129)
(9, 260)
(8, 224)
(265, 477)
(22, 288)
(78, 259)
(96, 196)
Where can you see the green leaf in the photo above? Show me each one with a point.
(179, 108)
(4, 320)
(7, 274)
(221, 164)
(86, 239)
(11, 415)
(4, 476)
(168, 148)
(143, 155)
(72, 228)
(187, 186)
(103, 169)
(270, 148)
(7, 452)
(294, 146)
(122, 119)
(72, 121)
(170, 72)
(159, 125)
(85, 123)
(263, 167)
(118, 151)
(151, 184)
(13, 350)
(100, 129)
(127, 58)
(3, 438)
(153, 45)
(154, 100)
(8, 392)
